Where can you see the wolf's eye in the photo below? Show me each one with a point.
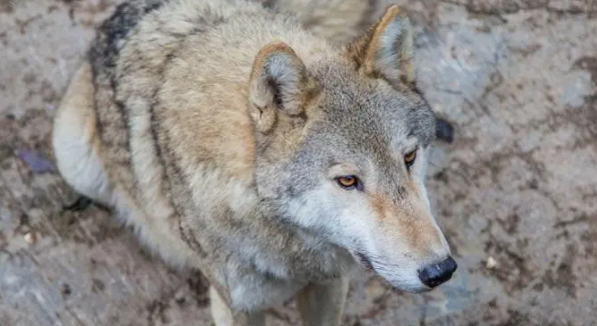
(348, 182)
(409, 158)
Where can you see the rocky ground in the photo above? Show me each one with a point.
(516, 192)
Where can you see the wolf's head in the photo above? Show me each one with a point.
(342, 150)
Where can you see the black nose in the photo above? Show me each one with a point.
(436, 274)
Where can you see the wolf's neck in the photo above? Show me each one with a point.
(291, 251)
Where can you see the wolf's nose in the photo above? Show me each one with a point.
(436, 274)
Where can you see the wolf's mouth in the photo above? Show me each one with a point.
(364, 261)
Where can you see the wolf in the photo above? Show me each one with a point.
(273, 160)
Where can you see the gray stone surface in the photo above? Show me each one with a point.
(517, 188)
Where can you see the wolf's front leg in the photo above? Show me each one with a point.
(223, 316)
(323, 304)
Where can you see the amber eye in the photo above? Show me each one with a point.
(348, 182)
(409, 158)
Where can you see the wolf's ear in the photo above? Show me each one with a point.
(386, 50)
(280, 83)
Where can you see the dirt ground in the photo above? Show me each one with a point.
(516, 192)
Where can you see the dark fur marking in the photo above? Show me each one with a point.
(277, 92)
(98, 123)
(111, 36)
(188, 239)
(269, 4)
(159, 153)
(161, 146)
(125, 18)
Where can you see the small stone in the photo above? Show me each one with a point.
(180, 298)
(29, 237)
(444, 130)
(491, 263)
(35, 161)
(65, 290)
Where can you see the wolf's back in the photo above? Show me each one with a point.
(338, 21)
